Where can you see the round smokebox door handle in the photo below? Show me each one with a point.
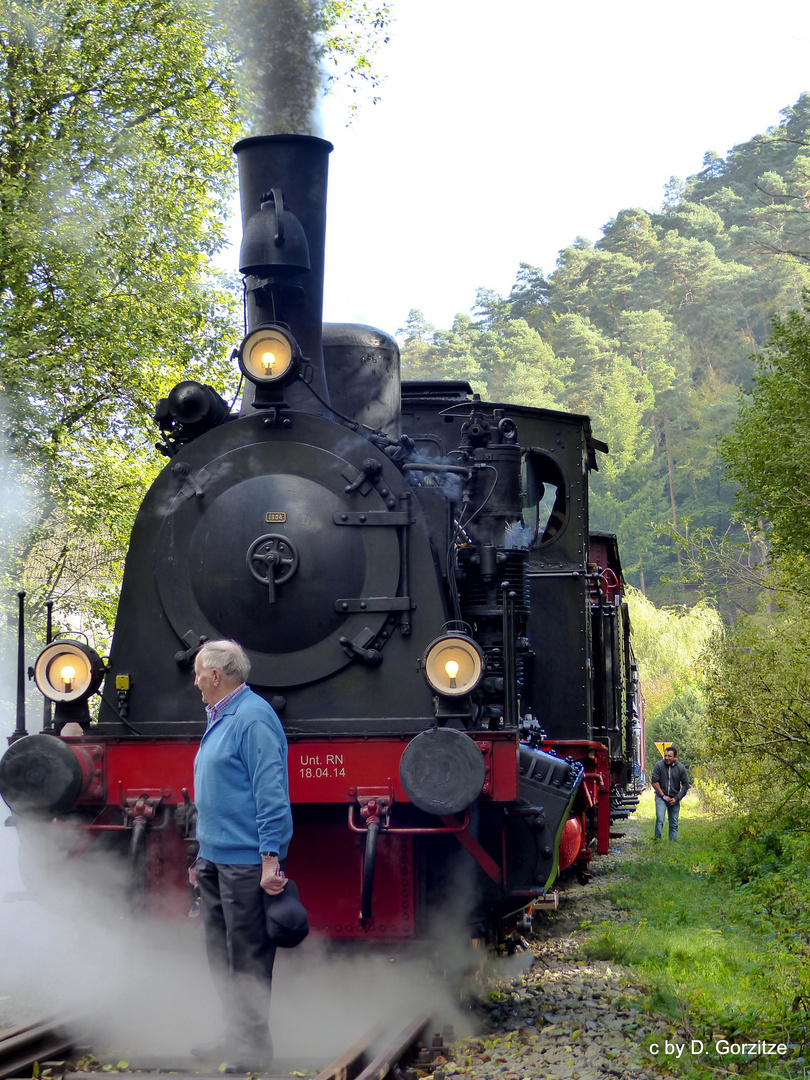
(272, 560)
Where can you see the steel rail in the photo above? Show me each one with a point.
(22, 1046)
(397, 1046)
(372, 1057)
(354, 1064)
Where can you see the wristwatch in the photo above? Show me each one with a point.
(269, 854)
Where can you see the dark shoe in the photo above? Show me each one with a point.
(244, 1067)
(212, 1051)
(255, 1059)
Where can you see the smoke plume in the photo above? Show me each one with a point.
(281, 78)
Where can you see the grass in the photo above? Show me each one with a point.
(718, 931)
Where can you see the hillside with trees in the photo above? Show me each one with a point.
(653, 331)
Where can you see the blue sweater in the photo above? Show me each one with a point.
(240, 784)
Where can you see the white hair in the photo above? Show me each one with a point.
(226, 656)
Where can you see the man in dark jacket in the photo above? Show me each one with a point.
(670, 782)
(244, 829)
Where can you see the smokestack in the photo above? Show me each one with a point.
(282, 188)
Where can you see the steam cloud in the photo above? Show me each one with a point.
(281, 78)
(145, 991)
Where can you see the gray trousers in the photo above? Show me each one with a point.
(240, 956)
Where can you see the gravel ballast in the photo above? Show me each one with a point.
(547, 1014)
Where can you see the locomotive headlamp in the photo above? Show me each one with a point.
(68, 671)
(453, 665)
(268, 355)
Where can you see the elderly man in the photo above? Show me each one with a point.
(244, 829)
(670, 782)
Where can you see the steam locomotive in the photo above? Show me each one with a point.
(411, 572)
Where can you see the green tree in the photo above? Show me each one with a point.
(627, 493)
(631, 233)
(492, 311)
(595, 284)
(758, 724)
(768, 452)
(454, 353)
(416, 346)
(519, 366)
(661, 356)
(628, 490)
(116, 121)
(704, 494)
(759, 693)
(670, 643)
(589, 354)
(529, 298)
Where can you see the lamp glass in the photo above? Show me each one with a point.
(63, 671)
(267, 355)
(453, 665)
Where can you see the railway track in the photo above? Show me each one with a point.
(42, 1040)
(373, 1057)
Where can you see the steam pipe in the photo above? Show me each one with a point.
(136, 846)
(510, 700)
(416, 466)
(369, 863)
(19, 729)
(405, 563)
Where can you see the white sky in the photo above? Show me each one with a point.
(508, 127)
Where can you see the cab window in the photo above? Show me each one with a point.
(545, 504)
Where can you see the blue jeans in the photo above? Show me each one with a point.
(672, 810)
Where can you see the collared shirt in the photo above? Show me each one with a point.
(213, 712)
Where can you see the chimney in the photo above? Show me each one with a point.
(282, 188)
